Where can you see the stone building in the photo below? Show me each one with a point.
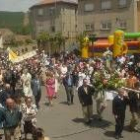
(103, 17)
(55, 16)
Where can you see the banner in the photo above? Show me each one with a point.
(12, 55)
(1, 42)
(23, 57)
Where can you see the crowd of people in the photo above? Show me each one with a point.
(21, 89)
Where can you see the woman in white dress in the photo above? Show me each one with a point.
(26, 80)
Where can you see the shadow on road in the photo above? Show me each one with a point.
(109, 134)
(95, 122)
(64, 103)
(46, 104)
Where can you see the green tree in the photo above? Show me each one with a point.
(43, 39)
(80, 39)
(59, 39)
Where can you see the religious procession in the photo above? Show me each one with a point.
(98, 79)
(80, 79)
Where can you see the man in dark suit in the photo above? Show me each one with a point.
(119, 107)
(85, 93)
(69, 87)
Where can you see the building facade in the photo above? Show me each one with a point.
(55, 16)
(103, 17)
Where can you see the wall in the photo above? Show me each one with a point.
(114, 15)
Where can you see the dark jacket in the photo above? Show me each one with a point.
(12, 119)
(4, 94)
(86, 98)
(119, 106)
(65, 80)
(36, 86)
(133, 101)
(1, 117)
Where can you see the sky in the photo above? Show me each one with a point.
(17, 5)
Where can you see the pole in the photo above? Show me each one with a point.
(135, 4)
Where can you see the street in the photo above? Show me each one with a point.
(63, 122)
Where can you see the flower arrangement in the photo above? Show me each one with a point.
(100, 81)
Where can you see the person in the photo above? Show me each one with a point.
(50, 87)
(63, 70)
(69, 87)
(1, 120)
(6, 93)
(39, 135)
(26, 79)
(29, 111)
(119, 107)
(12, 119)
(134, 108)
(36, 88)
(85, 93)
(56, 75)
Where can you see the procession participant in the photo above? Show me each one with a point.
(119, 107)
(6, 93)
(81, 77)
(19, 87)
(134, 108)
(36, 88)
(85, 93)
(63, 70)
(69, 87)
(99, 83)
(39, 135)
(1, 120)
(26, 79)
(50, 86)
(56, 76)
(108, 55)
(29, 111)
(12, 120)
(131, 80)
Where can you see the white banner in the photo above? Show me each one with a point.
(1, 42)
(25, 56)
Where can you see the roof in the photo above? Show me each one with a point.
(48, 2)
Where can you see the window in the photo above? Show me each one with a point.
(89, 7)
(40, 12)
(122, 24)
(105, 4)
(52, 28)
(52, 11)
(89, 27)
(106, 25)
(122, 3)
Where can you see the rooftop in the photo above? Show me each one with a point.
(47, 2)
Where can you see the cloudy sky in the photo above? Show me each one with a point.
(17, 5)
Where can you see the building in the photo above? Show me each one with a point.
(55, 16)
(103, 17)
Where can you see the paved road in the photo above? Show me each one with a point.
(63, 122)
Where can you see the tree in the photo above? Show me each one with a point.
(43, 39)
(80, 39)
(59, 39)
